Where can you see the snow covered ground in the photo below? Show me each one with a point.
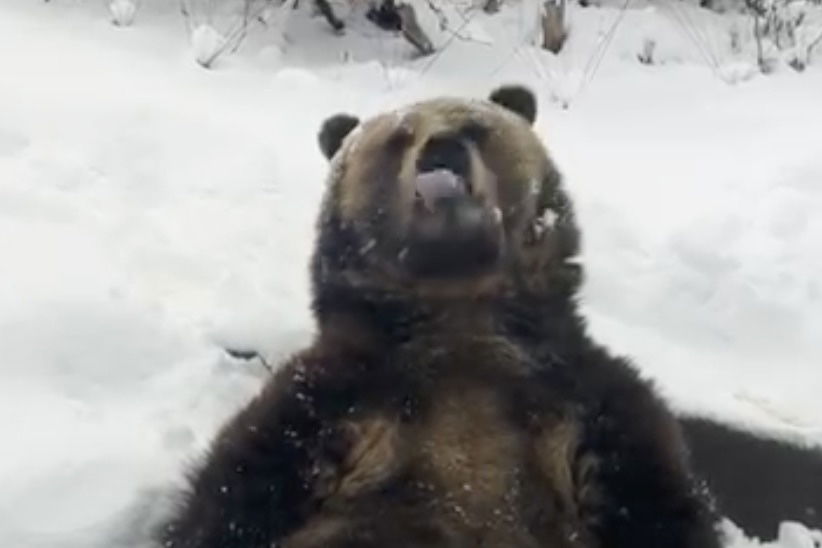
(152, 211)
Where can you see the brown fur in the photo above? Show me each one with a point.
(465, 408)
(555, 449)
(466, 458)
(524, 190)
(375, 451)
(473, 457)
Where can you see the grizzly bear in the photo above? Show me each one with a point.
(452, 397)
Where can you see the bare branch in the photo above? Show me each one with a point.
(248, 355)
(815, 42)
(412, 31)
(553, 25)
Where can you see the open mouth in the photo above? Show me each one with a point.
(443, 172)
(454, 232)
(433, 187)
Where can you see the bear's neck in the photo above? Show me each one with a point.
(396, 318)
(391, 318)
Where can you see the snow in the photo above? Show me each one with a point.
(153, 212)
(790, 535)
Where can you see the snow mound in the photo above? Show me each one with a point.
(790, 535)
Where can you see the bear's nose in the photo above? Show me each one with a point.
(445, 152)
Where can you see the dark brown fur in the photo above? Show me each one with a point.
(758, 482)
(460, 408)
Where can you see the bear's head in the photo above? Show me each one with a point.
(445, 198)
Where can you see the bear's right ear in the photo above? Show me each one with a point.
(518, 99)
(333, 131)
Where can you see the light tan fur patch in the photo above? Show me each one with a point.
(375, 455)
(472, 452)
(572, 475)
(555, 449)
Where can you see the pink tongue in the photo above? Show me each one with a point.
(440, 183)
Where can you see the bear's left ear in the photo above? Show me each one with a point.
(518, 99)
(333, 131)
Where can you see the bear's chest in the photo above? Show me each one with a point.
(467, 445)
(491, 454)
(470, 431)
(473, 437)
